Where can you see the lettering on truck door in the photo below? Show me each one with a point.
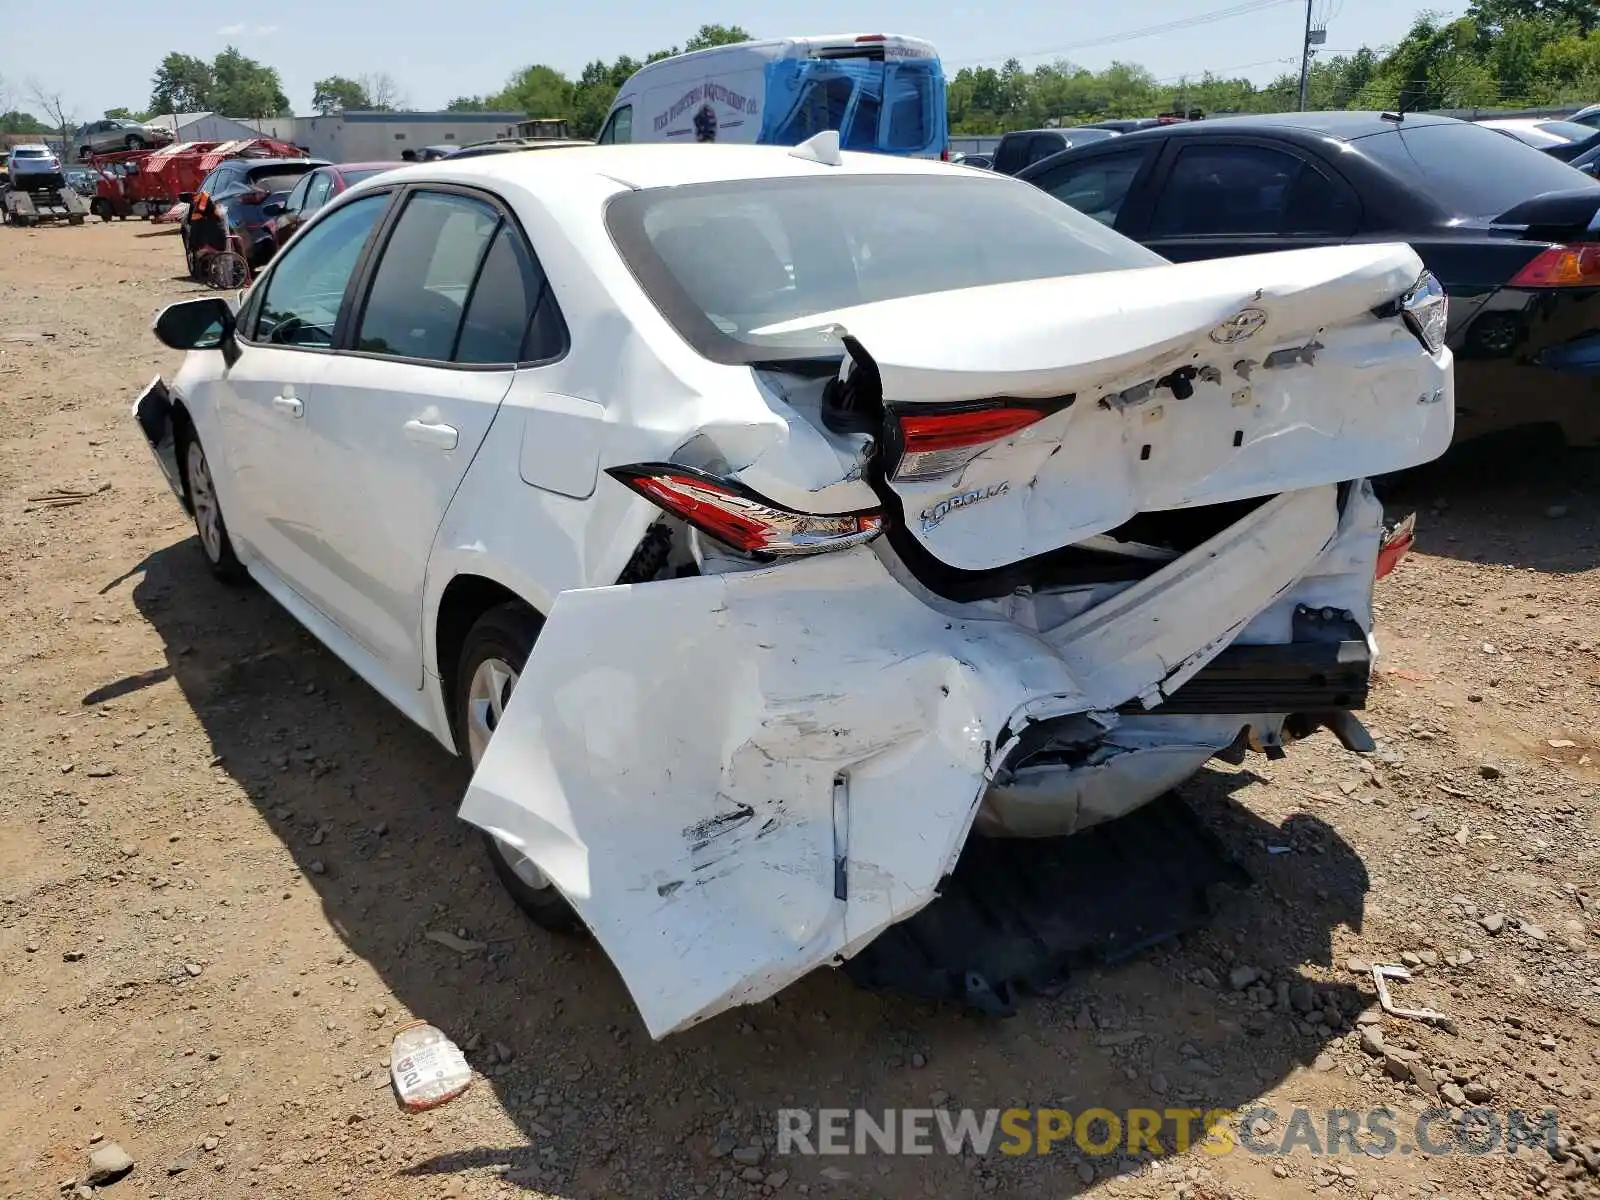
(725, 108)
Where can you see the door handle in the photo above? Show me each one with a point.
(290, 405)
(422, 433)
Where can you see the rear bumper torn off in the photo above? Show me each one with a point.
(737, 778)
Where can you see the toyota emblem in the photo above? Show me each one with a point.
(1246, 323)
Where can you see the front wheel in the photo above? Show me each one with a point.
(492, 659)
(208, 522)
(135, 142)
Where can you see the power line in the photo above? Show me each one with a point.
(1221, 14)
(1220, 73)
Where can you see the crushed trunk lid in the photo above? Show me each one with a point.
(1137, 391)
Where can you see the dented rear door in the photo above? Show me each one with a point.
(738, 778)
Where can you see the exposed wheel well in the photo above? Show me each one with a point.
(465, 599)
(182, 433)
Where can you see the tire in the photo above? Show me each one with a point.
(227, 271)
(209, 525)
(190, 260)
(75, 219)
(494, 653)
(135, 142)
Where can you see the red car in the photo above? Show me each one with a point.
(316, 189)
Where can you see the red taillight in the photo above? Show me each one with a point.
(939, 431)
(937, 442)
(872, 37)
(1577, 265)
(742, 519)
(944, 155)
(1396, 544)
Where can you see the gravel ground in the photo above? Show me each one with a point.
(221, 856)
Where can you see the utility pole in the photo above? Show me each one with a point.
(1305, 60)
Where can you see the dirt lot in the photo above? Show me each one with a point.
(221, 854)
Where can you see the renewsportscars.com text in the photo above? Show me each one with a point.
(1376, 1132)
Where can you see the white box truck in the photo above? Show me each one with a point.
(882, 92)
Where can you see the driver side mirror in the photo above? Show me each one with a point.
(206, 323)
(274, 209)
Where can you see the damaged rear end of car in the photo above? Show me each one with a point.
(1008, 561)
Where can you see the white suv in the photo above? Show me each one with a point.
(763, 523)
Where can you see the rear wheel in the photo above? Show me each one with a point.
(208, 522)
(492, 659)
(227, 271)
(135, 142)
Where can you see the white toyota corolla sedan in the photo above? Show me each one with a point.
(766, 523)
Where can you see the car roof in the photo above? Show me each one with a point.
(20, 146)
(663, 165)
(1343, 125)
(277, 162)
(365, 166)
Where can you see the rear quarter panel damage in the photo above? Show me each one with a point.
(670, 759)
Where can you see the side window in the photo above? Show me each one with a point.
(419, 291)
(511, 316)
(297, 198)
(1319, 207)
(1044, 145)
(1011, 155)
(1097, 186)
(307, 284)
(317, 192)
(1227, 190)
(619, 129)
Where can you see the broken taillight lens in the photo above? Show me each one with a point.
(737, 516)
(939, 440)
(1397, 542)
(1426, 310)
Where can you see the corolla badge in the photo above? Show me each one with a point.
(932, 516)
(1246, 323)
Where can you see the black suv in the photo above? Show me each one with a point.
(240, 187)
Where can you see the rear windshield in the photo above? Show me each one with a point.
(277, 179)
(351, 178)
(30, 154)
(1570, 130)
(721, 260)
(894, 107)
(1471, 171)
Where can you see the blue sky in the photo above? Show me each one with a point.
(102, 54)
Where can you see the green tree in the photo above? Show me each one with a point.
(182, 83)
(337, 93)
(246, 88)
(539, 91)
(1585, 14)
(22, 122)
(717, 35)
(124, 114)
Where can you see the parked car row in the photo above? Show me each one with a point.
(1505, 228)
